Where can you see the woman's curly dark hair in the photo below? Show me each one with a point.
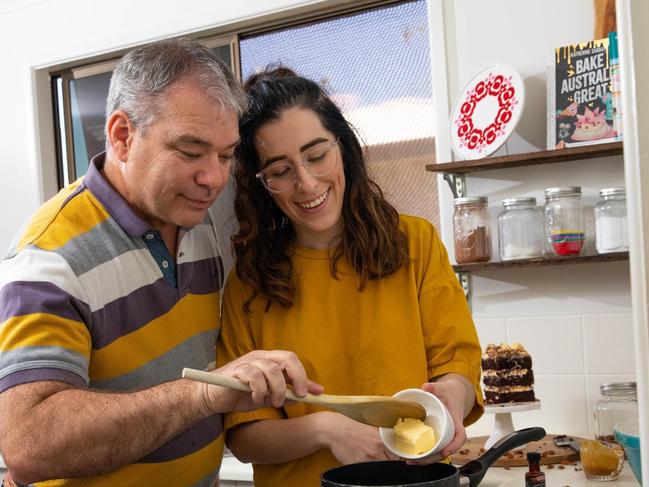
(371, 242)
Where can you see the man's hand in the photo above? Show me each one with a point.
(267, 374)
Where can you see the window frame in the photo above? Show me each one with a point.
(62, 106)
(233, 31)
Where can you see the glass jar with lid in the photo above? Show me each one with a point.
(618, 403)
(611, 230)
(471, 230)
(520, 229)
(564, 221)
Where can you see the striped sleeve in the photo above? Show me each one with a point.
(43, 320)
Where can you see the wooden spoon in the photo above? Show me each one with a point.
(373, 410)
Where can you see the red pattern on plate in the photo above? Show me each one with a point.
(504, 92)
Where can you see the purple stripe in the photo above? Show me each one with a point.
(37, 375)
(200, 276)
(77, 190)
(114, 203)
(133, 311)
(27, 297)
(198, 436)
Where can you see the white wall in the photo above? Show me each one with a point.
(564, 309)
(565, 314)
(36, 34)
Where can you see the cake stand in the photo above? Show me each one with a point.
(503, 424)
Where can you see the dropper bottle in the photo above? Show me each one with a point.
(534, 477)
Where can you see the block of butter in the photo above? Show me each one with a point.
(413, 437)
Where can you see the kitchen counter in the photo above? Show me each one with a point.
(235, 473)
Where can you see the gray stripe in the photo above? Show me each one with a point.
(195, 352)
(103, 243)
(195, 438)
(42, 358)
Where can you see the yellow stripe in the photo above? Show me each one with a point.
(187, 471)
(156, 338)
(54, 224)
(45, 214)
(80, 215)
(44, 330)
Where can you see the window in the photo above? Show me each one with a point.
(376, 65)
(80, 103)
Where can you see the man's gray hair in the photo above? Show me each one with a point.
(147, 72)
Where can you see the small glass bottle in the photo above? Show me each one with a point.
(520, 229)
(534, 477)
(564, 221)
(471, 230)
(611, 228)
(618, 403)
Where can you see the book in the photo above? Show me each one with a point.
(580, 102)
(616, 85)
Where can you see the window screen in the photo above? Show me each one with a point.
(376, 65)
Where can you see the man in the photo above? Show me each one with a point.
(113, 288)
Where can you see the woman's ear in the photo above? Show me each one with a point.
(120, 132)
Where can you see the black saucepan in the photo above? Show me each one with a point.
(398, 474)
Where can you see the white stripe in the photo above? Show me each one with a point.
(119, 277)
(34, 264)
(200, 243)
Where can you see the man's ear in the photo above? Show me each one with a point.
(120, 132)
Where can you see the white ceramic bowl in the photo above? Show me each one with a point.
(437, 417)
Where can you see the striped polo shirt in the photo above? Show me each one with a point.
(90, 296)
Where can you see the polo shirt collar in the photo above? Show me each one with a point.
(112, 201)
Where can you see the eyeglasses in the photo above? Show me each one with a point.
(319, 160)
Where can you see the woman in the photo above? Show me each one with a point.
(326, 267)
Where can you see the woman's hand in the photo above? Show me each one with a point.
(353, 442)
(456, 392)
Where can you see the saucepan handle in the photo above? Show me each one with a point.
(476, 469)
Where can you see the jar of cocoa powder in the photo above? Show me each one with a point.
(471, 230)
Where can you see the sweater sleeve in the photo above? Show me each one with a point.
(236, 339)
(451, 340)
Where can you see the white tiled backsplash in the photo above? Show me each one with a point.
(572, 355)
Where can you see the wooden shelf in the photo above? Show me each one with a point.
(529, 158)
(541, 262)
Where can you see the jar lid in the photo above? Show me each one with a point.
(519, 201)
(470, 200)
(618, 388)
(563, 191)
(612, 192)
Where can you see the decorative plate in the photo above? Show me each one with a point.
(486, 112)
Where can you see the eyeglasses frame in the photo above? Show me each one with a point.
(260, 174)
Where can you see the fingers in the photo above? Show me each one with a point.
(426, 460)
(456, 443)
(315, 388)
(390, 456)
(290, 364)
(266, 381)
(430, 387)
(450, 395)
(267, 373)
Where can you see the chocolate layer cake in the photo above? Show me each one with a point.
(507, 374)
